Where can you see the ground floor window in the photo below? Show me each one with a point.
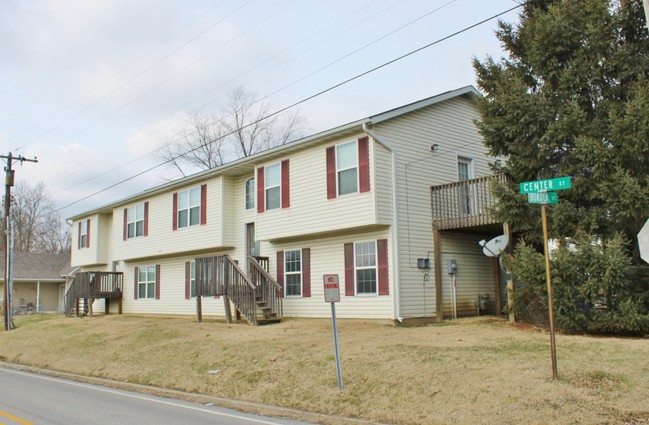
(293, 273)
(146, 282)
(365, 267)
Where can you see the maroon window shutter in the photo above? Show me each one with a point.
(188, 279)
(349, 270)
(260, 190)
(306, 272)
(125, 221)
(135, 284)
(331, 172)
(88, 234)
(79, 237)
(146, 219)
(363, 164)
(157, 281)
(384, 279)
(286, 196)
(175, 208)
(280, 270)
(204, 204)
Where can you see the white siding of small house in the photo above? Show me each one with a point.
(89, 255)
(475, 274)
(310, 211)
(162, 239)
(328, 257)
(450, 125)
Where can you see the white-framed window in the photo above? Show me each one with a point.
(365, 268)
(464, 173)
(293, 273)
(83, 234)
(189, 207)
(273, 182)
(135, 223)
(250, 193)
(146, 282)
(347, 168)
(192, 279)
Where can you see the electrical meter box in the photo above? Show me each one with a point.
(452, 267)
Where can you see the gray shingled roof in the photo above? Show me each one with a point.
(32, 265)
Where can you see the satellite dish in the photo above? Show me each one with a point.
(494, 247)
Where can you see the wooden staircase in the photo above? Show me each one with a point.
(256, 296)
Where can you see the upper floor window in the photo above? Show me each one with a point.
(293, 273)
(84, 234)
(135, 221)
(273, 186)
(250, 193)
(347, 168)
(190, 207)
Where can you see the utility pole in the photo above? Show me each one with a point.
(9, 182)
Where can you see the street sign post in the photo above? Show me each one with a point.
(542, 192)
(548, 185)
(332, 295)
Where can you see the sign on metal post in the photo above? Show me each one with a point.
(548, 185)
(542, 192)
(332, 295)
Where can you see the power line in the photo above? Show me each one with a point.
(376, 68)
(121, 71)
(285, 62)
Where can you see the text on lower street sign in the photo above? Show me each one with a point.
(549, 185)
(543, 198)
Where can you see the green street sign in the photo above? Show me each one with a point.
(543, 198)
(549, 185)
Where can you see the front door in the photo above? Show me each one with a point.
(252, 245)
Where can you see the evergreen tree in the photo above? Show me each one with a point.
(572, 99)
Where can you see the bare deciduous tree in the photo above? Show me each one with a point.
(36, 225)
(204, 141)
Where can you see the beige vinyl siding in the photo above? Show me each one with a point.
(383, 179)
(310, 211)
(475, 273)
(90, 255)
(104, 239)
(172, 291)
(229, 209)
(26, 293)
(162, 239)
(450, 125)
(327, 257)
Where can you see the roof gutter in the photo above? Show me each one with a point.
(394, 228)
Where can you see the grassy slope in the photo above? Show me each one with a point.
(466, 372)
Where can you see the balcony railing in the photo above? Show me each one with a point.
(465, 203)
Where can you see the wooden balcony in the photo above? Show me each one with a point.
(464, 203)
(89, 286)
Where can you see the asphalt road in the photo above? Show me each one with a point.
(27, 398)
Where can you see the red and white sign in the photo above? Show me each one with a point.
(331, 288)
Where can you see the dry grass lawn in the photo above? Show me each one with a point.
(470, 371)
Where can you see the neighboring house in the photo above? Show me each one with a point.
(39, 281)
(355, 201)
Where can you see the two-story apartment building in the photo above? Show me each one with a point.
(354, 201)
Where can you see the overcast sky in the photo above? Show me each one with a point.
(88, 86)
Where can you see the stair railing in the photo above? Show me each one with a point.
(268, 290)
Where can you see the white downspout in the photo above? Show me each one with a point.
(395, 221)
